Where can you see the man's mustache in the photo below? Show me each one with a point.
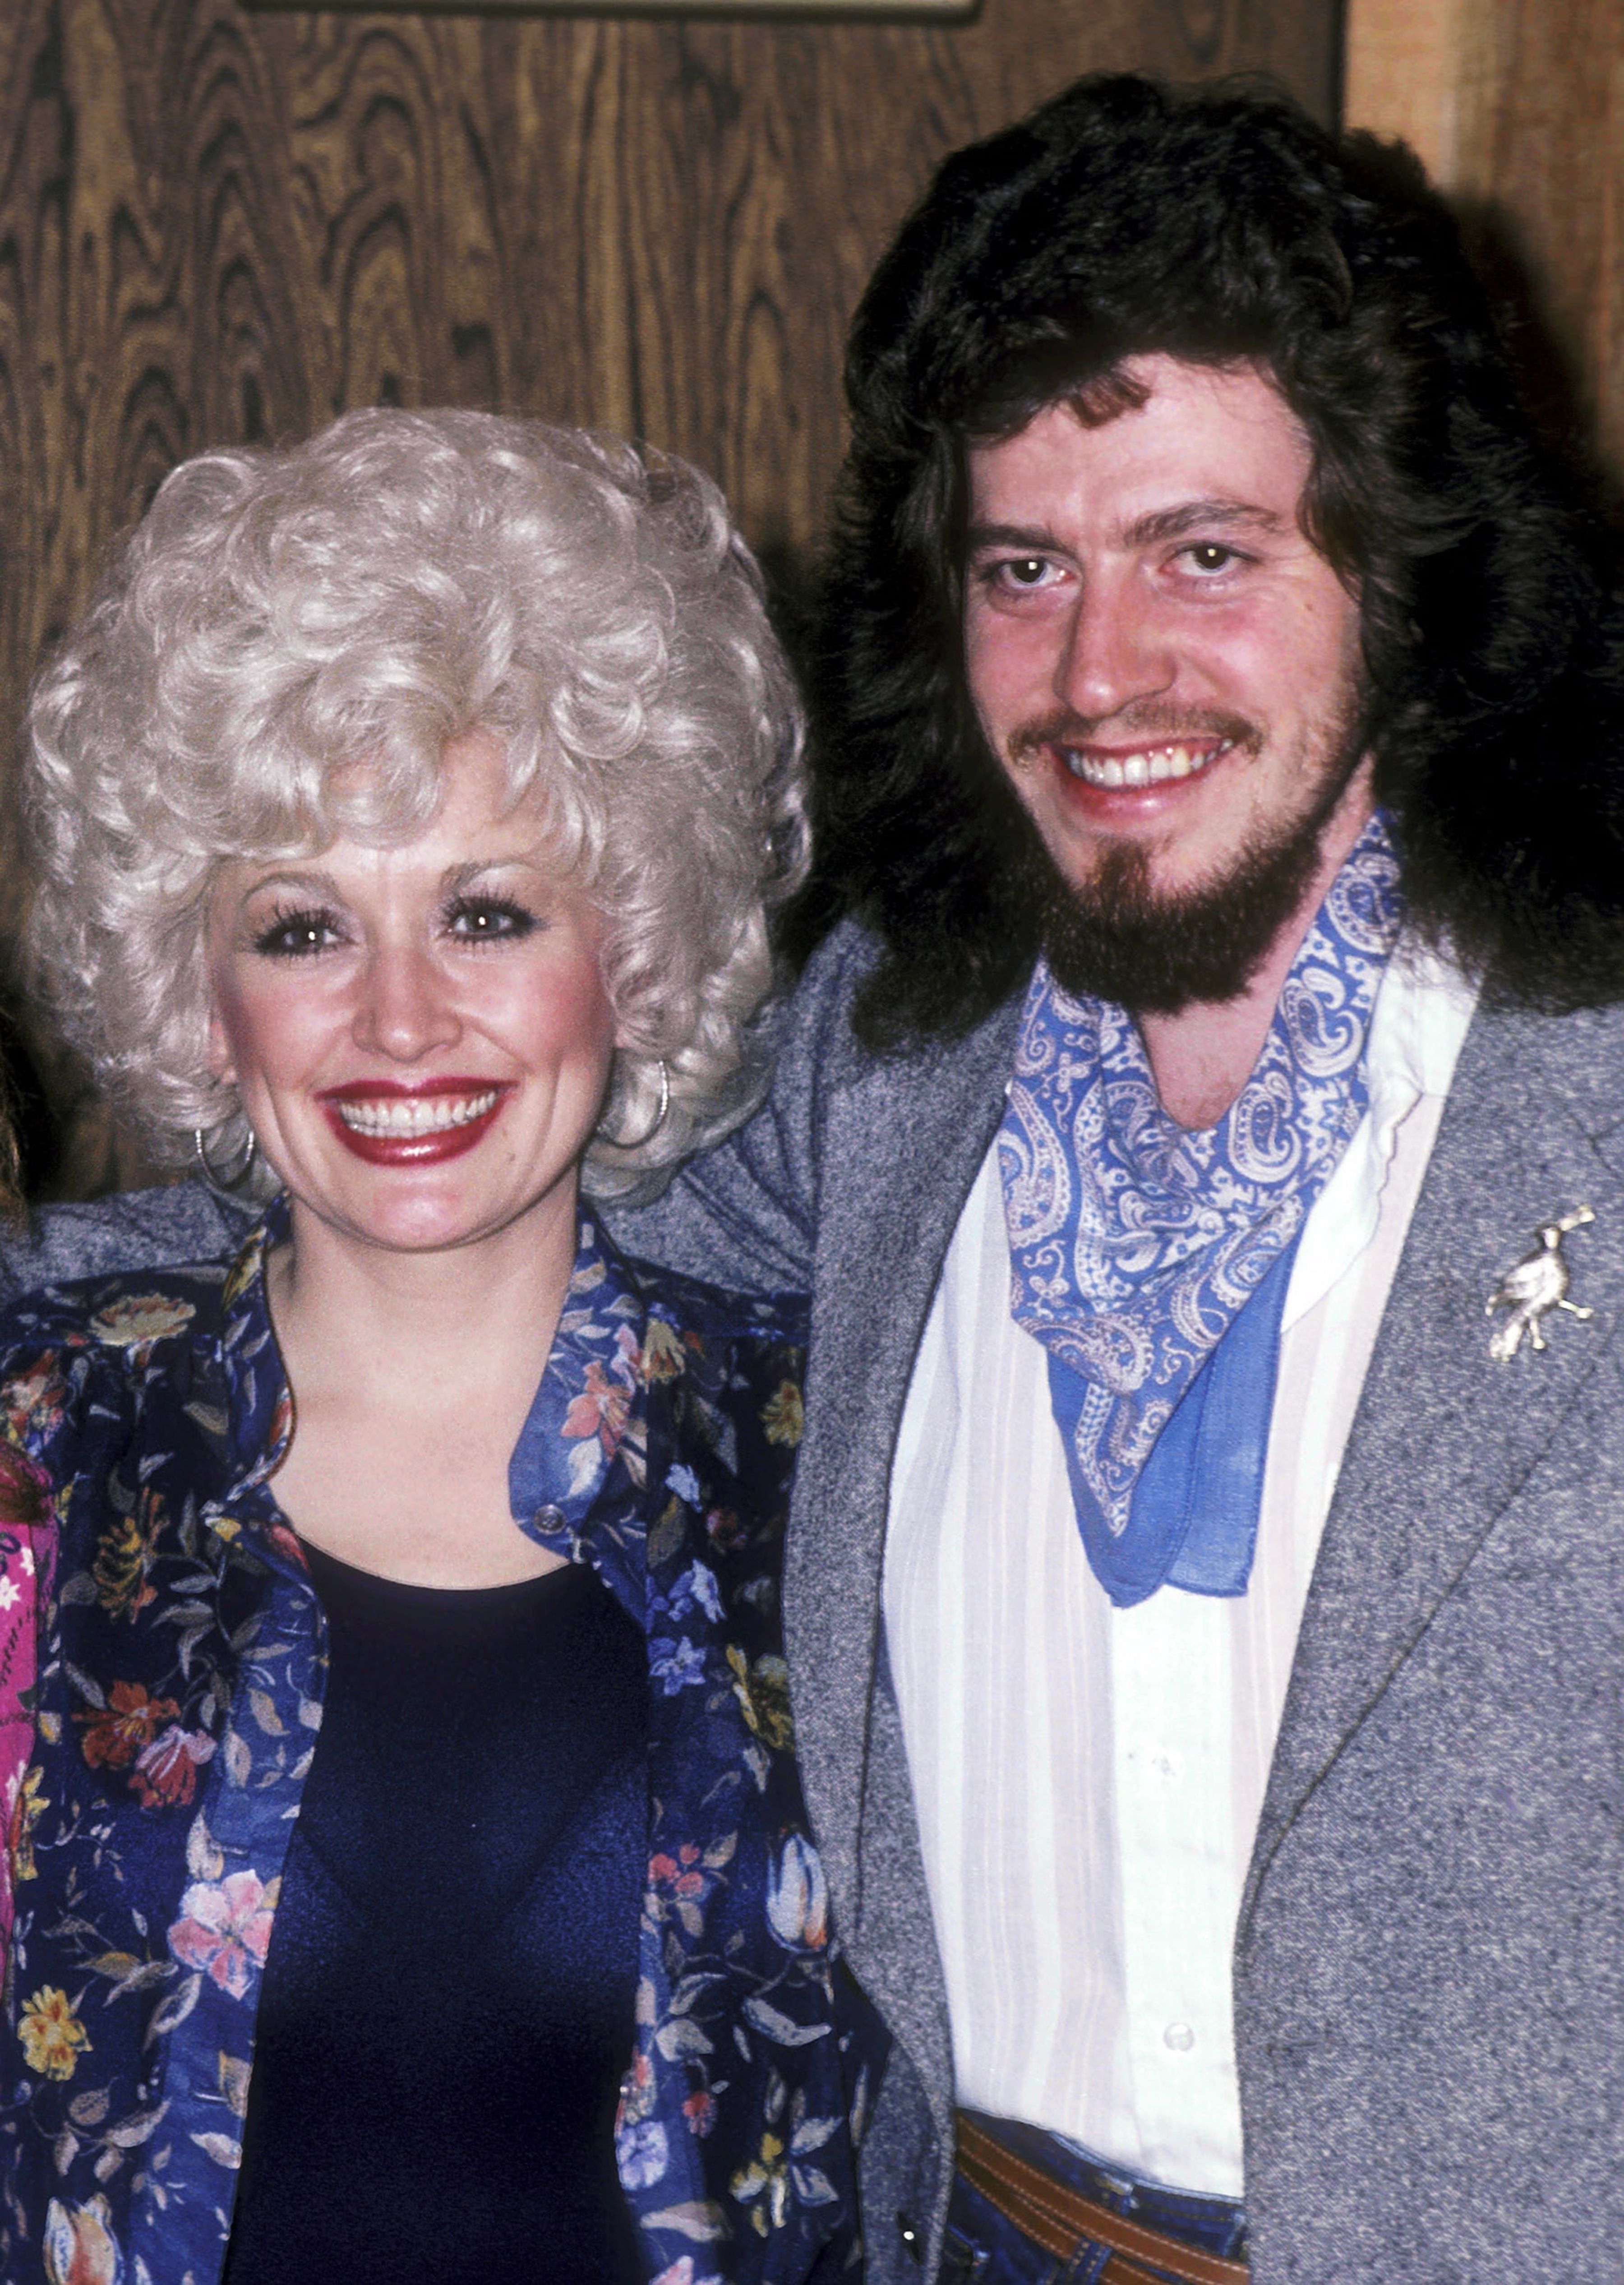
(1148, 725)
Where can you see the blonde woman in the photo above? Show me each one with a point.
(410, 1878)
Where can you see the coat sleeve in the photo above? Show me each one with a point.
(139, 1229)
(745, 1215)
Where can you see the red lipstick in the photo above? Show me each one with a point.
(388, 1123)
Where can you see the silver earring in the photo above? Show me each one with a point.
(657, 1122)
(215, 1178)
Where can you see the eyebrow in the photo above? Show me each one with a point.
(456, 876)
(475, 868)
(305, 879)
(1146, 531)
(983, 536)
(1200, 515)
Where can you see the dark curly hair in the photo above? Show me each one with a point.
(1219, 224)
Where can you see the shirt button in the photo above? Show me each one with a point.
(1179, 2037)
(549, 1518)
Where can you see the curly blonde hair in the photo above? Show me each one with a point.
(369, 596)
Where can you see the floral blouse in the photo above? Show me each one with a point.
(163, 1658)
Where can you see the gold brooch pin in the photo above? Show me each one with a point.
(1537, 1285)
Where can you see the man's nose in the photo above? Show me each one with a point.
(1118, 650)
(406, 1005)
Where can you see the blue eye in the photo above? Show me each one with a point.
(295, 936)
(489, 920)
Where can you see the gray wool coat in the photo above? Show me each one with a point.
(1428, 1968)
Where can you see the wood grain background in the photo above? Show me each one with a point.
(219, 225)
(1517, 108)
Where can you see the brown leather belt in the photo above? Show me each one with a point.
(1059, 2218)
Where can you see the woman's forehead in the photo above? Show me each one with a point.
(474, 827)
(364, 804)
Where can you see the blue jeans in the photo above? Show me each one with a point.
(981, 2248)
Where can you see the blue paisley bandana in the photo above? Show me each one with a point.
(1135, 1242)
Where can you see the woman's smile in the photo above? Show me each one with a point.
(414, 1126)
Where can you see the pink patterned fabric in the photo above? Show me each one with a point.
(27, 1550)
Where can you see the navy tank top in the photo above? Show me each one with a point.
(448, 1997)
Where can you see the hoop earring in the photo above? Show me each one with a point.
(218, 1181)
(641, 1142)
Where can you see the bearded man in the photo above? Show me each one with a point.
(1202, 1138)
(1204, 1614)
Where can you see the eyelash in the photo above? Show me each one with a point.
(1000, 574)
(998, 577)
(1231, 555)
(274, 940)
(277, 940)
(518, 920)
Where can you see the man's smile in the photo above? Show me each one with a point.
(1111, 767)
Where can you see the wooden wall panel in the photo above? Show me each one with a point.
(217, 225)
(1542, 148)
(1517, 108)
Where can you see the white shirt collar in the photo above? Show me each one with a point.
(1423, 1012)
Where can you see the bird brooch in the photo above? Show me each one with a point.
(1536, 1286)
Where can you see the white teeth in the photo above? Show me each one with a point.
(1151, 766)
(416, 1114)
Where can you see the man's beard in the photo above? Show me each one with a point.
(1116, 939)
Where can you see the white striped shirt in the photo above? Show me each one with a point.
(1089, 1779)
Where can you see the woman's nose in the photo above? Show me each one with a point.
(406, 1007)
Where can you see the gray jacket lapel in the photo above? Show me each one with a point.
(1442, 1442)
(901, 1145)
(1445, 1437)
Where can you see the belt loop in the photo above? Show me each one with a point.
(1095, 2244)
